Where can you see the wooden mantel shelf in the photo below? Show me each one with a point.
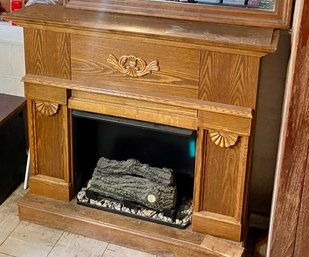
(193, 33)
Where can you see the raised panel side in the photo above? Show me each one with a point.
(229, 78)
(49, 141)
(47, 53)
(225, 156)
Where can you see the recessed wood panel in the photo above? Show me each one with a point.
(178, 72)
(221, 178)
(51, 143)
(47, 53)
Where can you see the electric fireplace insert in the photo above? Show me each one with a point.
(134, 168)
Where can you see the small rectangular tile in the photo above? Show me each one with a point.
(72, 245)
(10, 205)
(30, 240)
(120, 251)
(8, 222)
(5, 255)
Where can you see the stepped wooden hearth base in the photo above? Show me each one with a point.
(142, 235)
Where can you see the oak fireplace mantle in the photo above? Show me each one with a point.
(186, 74)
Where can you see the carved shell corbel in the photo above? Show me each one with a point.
(132, 66)
(223, 139)
(46, 108)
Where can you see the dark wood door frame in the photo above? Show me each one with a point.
(289, 231)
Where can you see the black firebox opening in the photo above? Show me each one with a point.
(120, 139)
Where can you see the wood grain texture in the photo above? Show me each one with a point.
(243, 182)
(221, 178)
(238, 86)
(50, 143)
(173, 117)
(217, 225)
(223, 122)
(198, 35)
(279, 17)
(224, 190)
(289, 235)
(49, 136)
(302, 241)
(221, 192)
(46, 58)
(226, 172)
(137, 234)
(92, 91)
(50, 187)
(199, 174)
(178, 74)
(47, 93)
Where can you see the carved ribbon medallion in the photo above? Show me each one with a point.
(133, 66)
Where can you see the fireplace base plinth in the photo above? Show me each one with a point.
(138, 234)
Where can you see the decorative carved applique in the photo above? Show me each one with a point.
(46, 108)
(133, 66)
(223, 139)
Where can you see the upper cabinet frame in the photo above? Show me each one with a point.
(279, 17)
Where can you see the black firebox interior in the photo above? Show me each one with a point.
(96, 135)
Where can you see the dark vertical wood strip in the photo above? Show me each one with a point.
(199, 172)
(32, 137)
(290, 213)
(302, 241)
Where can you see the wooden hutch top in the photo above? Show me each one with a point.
(191, 34)
(269, 13)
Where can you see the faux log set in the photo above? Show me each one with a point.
(133, 181)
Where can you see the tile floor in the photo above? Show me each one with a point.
(24, 239)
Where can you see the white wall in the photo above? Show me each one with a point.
(12, 67)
